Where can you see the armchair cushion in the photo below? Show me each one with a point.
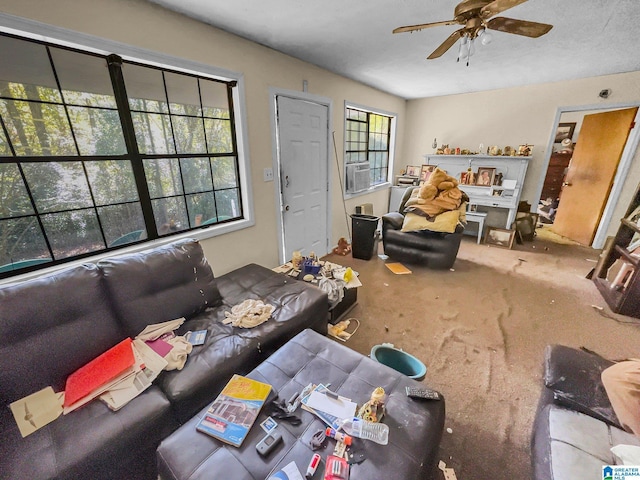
(393, 220)
(445, 222)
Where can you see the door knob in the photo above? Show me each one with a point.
(566, 184)
(286, 208)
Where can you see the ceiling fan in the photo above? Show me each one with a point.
(476, 16)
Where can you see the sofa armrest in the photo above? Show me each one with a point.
(393, 220)
(574, 378)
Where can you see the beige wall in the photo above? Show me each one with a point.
(144, 25)
(512, 117)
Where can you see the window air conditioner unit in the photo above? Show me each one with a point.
(358, 178)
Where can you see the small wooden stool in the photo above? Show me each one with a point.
(477, 217)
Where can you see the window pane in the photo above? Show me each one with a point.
(111, 181)
(145, 88)
(227, 204)
(153, 133)
(98, 132)
(215, 101)
(57, 186)
(122, 224)
(21, 239)
(26, 71)
(189, 133)
(5, 151)
(37, 129)
(163, 177)
(224, 172)
(202, 209)
(170, 215)
(196, 175)
(84, 79)
(14, 200)
(182, 90)
(73, 233)
(218, 136)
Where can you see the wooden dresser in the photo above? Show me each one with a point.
(558, 164)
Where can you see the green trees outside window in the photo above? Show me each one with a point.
(98, 153)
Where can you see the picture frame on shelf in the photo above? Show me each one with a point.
(564, 130)
(413, 171)
(425, 173)
(485, 176)
(467, 177)
(500, 237)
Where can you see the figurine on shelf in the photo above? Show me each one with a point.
(373, 410)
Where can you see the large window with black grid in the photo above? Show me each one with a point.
(97, 153)
(368, 138)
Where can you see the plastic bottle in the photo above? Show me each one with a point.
(376, 432)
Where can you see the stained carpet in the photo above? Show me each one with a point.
(481, 330)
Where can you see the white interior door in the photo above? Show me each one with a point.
(303, 133)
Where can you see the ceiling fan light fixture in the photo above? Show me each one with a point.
(486, 38)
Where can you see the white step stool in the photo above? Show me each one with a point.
(477, 217)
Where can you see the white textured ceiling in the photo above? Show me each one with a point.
(353, 38)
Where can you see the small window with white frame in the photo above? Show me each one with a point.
(368, 148)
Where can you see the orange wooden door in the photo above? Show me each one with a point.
(590, 177)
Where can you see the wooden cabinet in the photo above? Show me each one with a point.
(617, 274)
(558, 164)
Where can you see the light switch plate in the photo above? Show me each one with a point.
(268, 174)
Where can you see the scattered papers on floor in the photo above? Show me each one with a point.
(37, 410)
(344, 329)
(398, 268)
(449, 473)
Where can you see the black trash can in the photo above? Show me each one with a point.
(363, 229)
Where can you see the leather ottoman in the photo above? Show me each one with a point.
(415, 426)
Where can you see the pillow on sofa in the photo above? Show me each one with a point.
(628, 454)
(446, 222)
(574, 378)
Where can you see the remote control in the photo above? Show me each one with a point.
(415, 392)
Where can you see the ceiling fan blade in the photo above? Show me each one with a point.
(519, 27)
(446, 45)
(415, 28)
(498, 6)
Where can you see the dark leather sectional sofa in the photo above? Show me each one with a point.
(52, 325)
(575, 425)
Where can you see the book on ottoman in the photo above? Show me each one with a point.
(233, 413)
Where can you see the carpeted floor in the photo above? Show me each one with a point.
(481, 330)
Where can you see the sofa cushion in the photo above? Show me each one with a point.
(571, 445)
(160, 284)
(228, 350)
(574, 377)
(89, 442)
(50, 327)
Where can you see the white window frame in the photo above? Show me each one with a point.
(392, 148)
(60, 36)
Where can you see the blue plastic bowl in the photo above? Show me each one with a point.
(400, 361)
